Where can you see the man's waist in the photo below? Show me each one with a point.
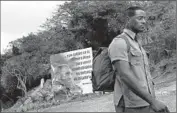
(131, 99)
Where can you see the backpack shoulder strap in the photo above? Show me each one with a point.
(128, 45)
(127, 42)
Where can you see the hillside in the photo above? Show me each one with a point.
(165, 89)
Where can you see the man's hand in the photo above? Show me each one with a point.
(158, 106)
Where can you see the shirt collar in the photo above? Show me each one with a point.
(130, 33)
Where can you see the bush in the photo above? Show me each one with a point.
(170, 42)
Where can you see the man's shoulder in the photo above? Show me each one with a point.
(118, 41)
(122, 35)
(118, 48)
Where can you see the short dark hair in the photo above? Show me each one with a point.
(131, 10)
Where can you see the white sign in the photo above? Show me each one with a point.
(74, 69)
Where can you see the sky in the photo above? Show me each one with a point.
(19, 18)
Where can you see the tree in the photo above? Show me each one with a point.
(21, 80)
(15, 50)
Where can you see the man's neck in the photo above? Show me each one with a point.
(130, 33)
(136, 36)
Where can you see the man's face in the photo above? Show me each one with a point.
(66, 72)
(138, 21)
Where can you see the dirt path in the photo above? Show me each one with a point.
(168, 96)
(105, 102)
(99, 104)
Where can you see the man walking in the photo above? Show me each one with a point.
(133, 89)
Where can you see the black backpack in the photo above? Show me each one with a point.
(103, 74)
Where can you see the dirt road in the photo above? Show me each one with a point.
(105, 102)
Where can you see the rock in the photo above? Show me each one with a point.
(29, 100)
(43, 92)
(60, 94)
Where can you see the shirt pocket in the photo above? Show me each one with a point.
(135, 57)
